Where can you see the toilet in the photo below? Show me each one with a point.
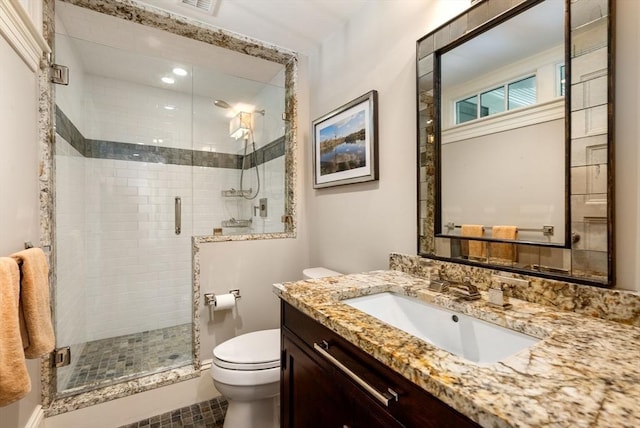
(246, 371)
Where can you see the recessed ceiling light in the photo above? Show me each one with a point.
(179, 71)
(168, 80)
(169, 107)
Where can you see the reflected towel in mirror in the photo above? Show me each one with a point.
(477, 249)
(504, 251)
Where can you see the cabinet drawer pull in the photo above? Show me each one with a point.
(383, 397)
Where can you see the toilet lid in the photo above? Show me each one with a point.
(251, 351)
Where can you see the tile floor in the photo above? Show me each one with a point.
(131, 356)
(208, 414)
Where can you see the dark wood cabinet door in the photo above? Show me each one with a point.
(308, 396)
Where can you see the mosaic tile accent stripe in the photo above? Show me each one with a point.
(102, 149)
(271, 151)
(208, 414)
(67, 130)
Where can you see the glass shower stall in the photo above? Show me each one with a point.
(144, 160)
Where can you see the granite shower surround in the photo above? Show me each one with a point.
(130, 10)
(613, 305)
(152, 17)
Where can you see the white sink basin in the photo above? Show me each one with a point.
(473, 339)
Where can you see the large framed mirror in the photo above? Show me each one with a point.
(515, 139)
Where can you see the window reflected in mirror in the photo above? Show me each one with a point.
(514, 112)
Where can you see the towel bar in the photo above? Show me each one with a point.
(545, 230)
(45, 248)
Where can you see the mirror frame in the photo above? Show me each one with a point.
(480, 17)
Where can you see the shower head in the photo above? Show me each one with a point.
(222, 104)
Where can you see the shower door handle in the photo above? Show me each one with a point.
(178, 216)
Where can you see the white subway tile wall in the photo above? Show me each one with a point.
(118, 216)
(140, 270)
(120, 266)
(116, 110)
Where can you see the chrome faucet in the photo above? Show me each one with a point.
(466, 290)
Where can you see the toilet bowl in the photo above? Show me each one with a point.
(246, 371)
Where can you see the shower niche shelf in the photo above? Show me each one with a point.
(236, 223)
(235, 193)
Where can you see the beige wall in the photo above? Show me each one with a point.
(354, 228)
(252, 267)
(18, 188)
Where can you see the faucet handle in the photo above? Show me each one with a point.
(496, 293)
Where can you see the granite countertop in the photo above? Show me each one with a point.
(585, 372)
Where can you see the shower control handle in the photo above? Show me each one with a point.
(178, 215)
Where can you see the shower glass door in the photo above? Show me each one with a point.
(142, 141)
(123, 164)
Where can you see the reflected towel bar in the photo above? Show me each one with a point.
(545, 230)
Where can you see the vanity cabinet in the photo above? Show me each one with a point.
(316, 391)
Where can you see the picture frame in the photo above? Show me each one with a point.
(345, 143)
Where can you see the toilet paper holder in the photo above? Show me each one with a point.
(210, 298)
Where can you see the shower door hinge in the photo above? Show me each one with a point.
(61, 357)
(59, 74)
(286, 219)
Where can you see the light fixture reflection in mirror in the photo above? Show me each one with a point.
(575, 236)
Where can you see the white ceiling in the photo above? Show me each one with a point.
(298, 25)
(507, 43)
(124, 50)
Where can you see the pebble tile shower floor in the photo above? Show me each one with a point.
(208, 414)
(132, 355)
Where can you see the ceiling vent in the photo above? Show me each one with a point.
(206, 6)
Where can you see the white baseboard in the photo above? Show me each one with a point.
(37, 418)
(206, 364)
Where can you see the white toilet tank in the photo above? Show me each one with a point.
(318, 272)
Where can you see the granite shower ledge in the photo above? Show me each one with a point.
(583, 373)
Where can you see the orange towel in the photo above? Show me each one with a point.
(477, 249)
(34, 302)
(14, 379)
(504, 251)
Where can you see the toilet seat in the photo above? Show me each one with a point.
(248, 359)
(258, 350)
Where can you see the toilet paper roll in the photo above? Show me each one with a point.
(224, 302)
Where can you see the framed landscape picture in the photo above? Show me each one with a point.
(345, 143)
